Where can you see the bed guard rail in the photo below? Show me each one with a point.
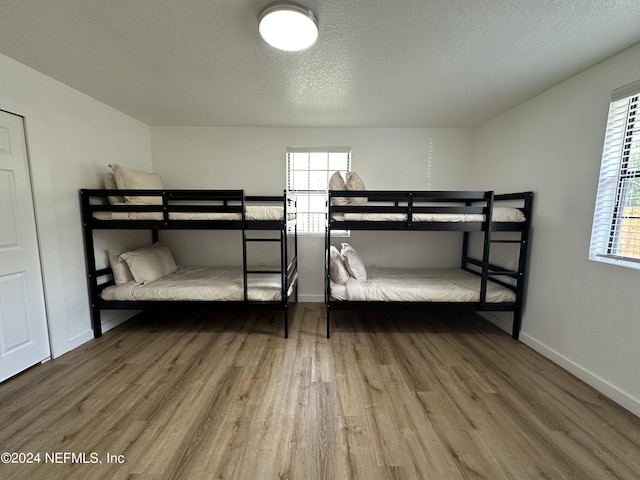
(395, 209)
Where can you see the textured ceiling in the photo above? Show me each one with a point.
(386, 63)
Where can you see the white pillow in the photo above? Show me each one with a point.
(127, 178)
(110, 184)
(337, 269)
(121, 272)
(336, 182)
(150, 263)
(354, 182)
(353, 262)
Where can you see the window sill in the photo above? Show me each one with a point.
(619, 261)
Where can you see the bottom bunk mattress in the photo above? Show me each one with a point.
(448, 285)
(209, 284)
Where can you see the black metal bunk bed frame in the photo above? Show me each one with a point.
(94, 201)
(409, 203)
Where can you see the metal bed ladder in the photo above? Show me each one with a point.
(282, 239)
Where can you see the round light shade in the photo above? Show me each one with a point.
(288, 26)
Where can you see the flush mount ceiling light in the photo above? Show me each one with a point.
(288, 26)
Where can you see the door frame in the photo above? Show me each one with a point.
(43, 208)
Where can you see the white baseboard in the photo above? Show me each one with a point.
(117, 319)
(311, 298)
(75, 342)
(607, 389)
(501, 323)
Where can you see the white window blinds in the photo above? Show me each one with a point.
(615, 236)
(308, 173)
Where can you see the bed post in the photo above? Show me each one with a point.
(517, 323)
(286, 320)
(327, 287)
(486, 247)
(290, 267)
(327, 244)
(284, 271)
(90, 257)
(522, 265)
(465, 250)
(245, 279)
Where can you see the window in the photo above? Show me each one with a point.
(308, 173)
(615, 237)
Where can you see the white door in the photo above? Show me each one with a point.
(24, 339)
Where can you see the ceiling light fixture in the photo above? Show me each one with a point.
(288, 26)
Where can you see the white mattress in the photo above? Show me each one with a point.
(419, 285)
(201, 284)
(252, 212)
(500, 214)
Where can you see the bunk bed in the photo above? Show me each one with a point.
(485, 220)
(159, 210)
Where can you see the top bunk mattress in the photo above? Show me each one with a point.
(252, 213)
(500, 214)
(447, 285)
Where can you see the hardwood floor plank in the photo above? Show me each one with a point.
(392, 395)
(361, 463)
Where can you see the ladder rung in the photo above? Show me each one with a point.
(508, 273)
(506, 241)
(262, 271)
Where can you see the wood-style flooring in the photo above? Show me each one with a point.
(392, 395)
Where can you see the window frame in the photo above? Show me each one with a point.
(612, 227)
(290, 151)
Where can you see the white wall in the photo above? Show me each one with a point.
(583, 315)
(254, 159)
(70, 138)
